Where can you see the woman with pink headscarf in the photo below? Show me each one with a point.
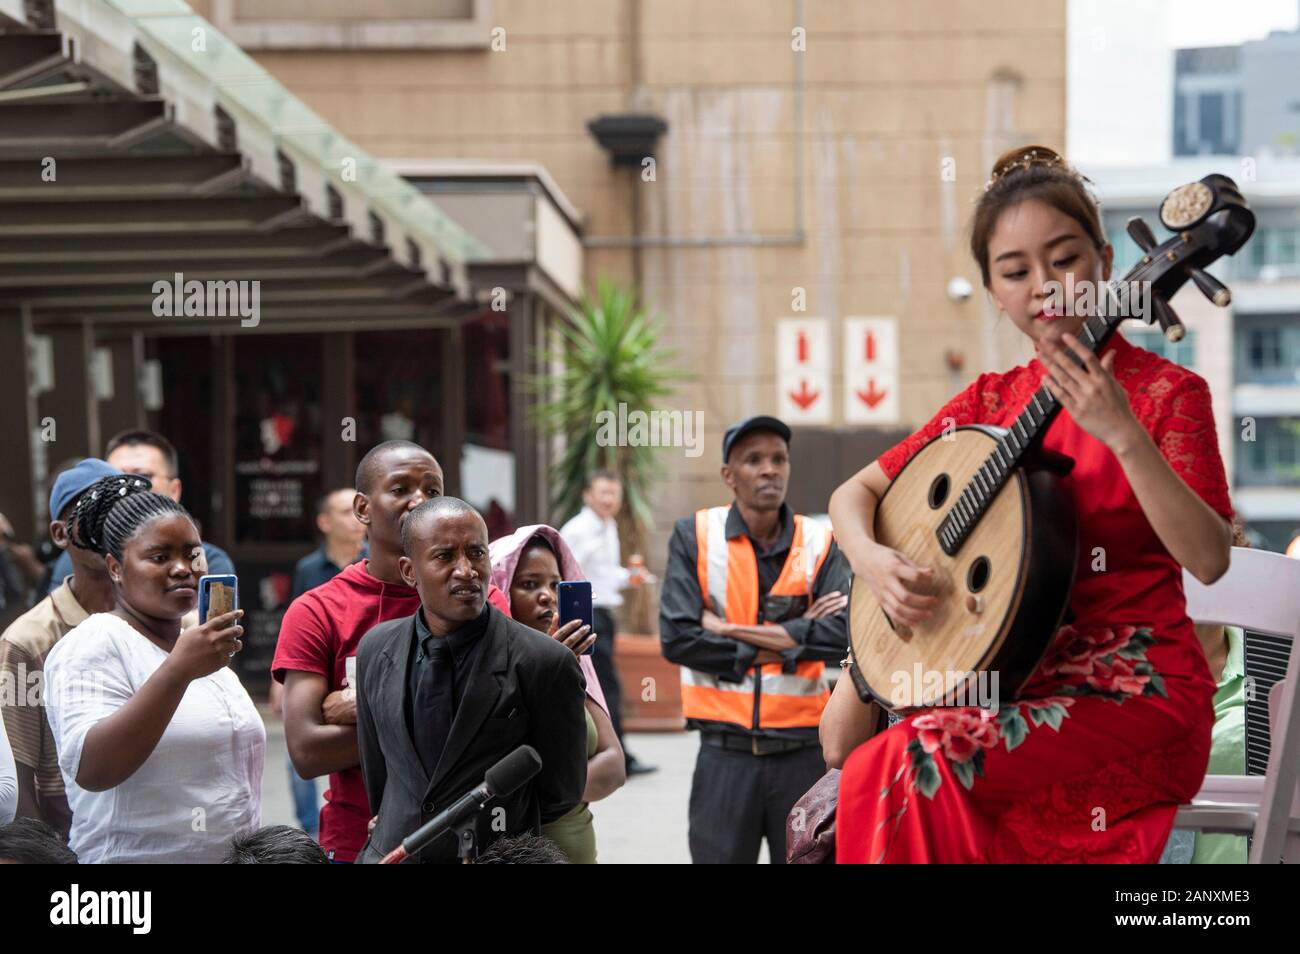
(527, 567)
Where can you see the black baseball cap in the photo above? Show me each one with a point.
(750, 424)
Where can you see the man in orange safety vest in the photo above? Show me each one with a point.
(753, 606)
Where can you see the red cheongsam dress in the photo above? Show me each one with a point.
(1112, 731)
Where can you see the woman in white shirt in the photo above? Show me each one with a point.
(8, 780)
(160, 747)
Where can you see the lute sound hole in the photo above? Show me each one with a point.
(977, 577)
(939, 491)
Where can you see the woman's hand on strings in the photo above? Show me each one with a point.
(1092, 395)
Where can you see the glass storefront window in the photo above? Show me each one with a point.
(277, 437)
(398, 377)
(488, 461)
(186, 367)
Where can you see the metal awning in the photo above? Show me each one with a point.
(138, 143)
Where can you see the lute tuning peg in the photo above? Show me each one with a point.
(1210, 286)
(1213, 289)
(1141, 233)
(1168, 318)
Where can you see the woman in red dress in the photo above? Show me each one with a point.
(1112, 731)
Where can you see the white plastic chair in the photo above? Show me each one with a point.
(1260, 592)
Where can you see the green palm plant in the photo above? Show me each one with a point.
(610, 356)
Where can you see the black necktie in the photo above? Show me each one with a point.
(434, 704)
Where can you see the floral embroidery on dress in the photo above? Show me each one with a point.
(1109, 663)
(959, 735)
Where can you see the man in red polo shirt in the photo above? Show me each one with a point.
(315, 657)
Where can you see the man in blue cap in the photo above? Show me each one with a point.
(151, 456)
(752, 608)
(27, 641)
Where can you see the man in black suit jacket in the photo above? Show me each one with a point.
(446, 693)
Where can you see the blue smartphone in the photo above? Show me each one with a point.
(218, 595)
(575, 603)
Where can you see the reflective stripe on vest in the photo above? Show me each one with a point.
(728, 576)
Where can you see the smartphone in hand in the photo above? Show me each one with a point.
(218, 595)
(575, 603)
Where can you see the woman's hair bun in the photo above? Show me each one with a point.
(1023, 158)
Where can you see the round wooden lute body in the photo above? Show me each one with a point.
(1001, 596)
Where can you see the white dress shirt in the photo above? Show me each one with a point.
(595, 543)
(201, 785)
(8, 779)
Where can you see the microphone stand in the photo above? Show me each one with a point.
(501, 780)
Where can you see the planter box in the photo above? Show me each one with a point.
(654, 705)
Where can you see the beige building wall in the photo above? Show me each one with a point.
(905, 103)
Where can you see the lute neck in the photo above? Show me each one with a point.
(1029, 427)
(1024, 433)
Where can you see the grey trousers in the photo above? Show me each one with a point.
(738, 799)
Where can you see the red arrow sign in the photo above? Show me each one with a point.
(871, 397)
(804, 397)
(802, 347)
(871, 346)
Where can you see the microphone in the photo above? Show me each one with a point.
(501, 779)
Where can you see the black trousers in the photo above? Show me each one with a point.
(738, 799)
(602, 657)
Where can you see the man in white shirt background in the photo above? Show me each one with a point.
(592, 535)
